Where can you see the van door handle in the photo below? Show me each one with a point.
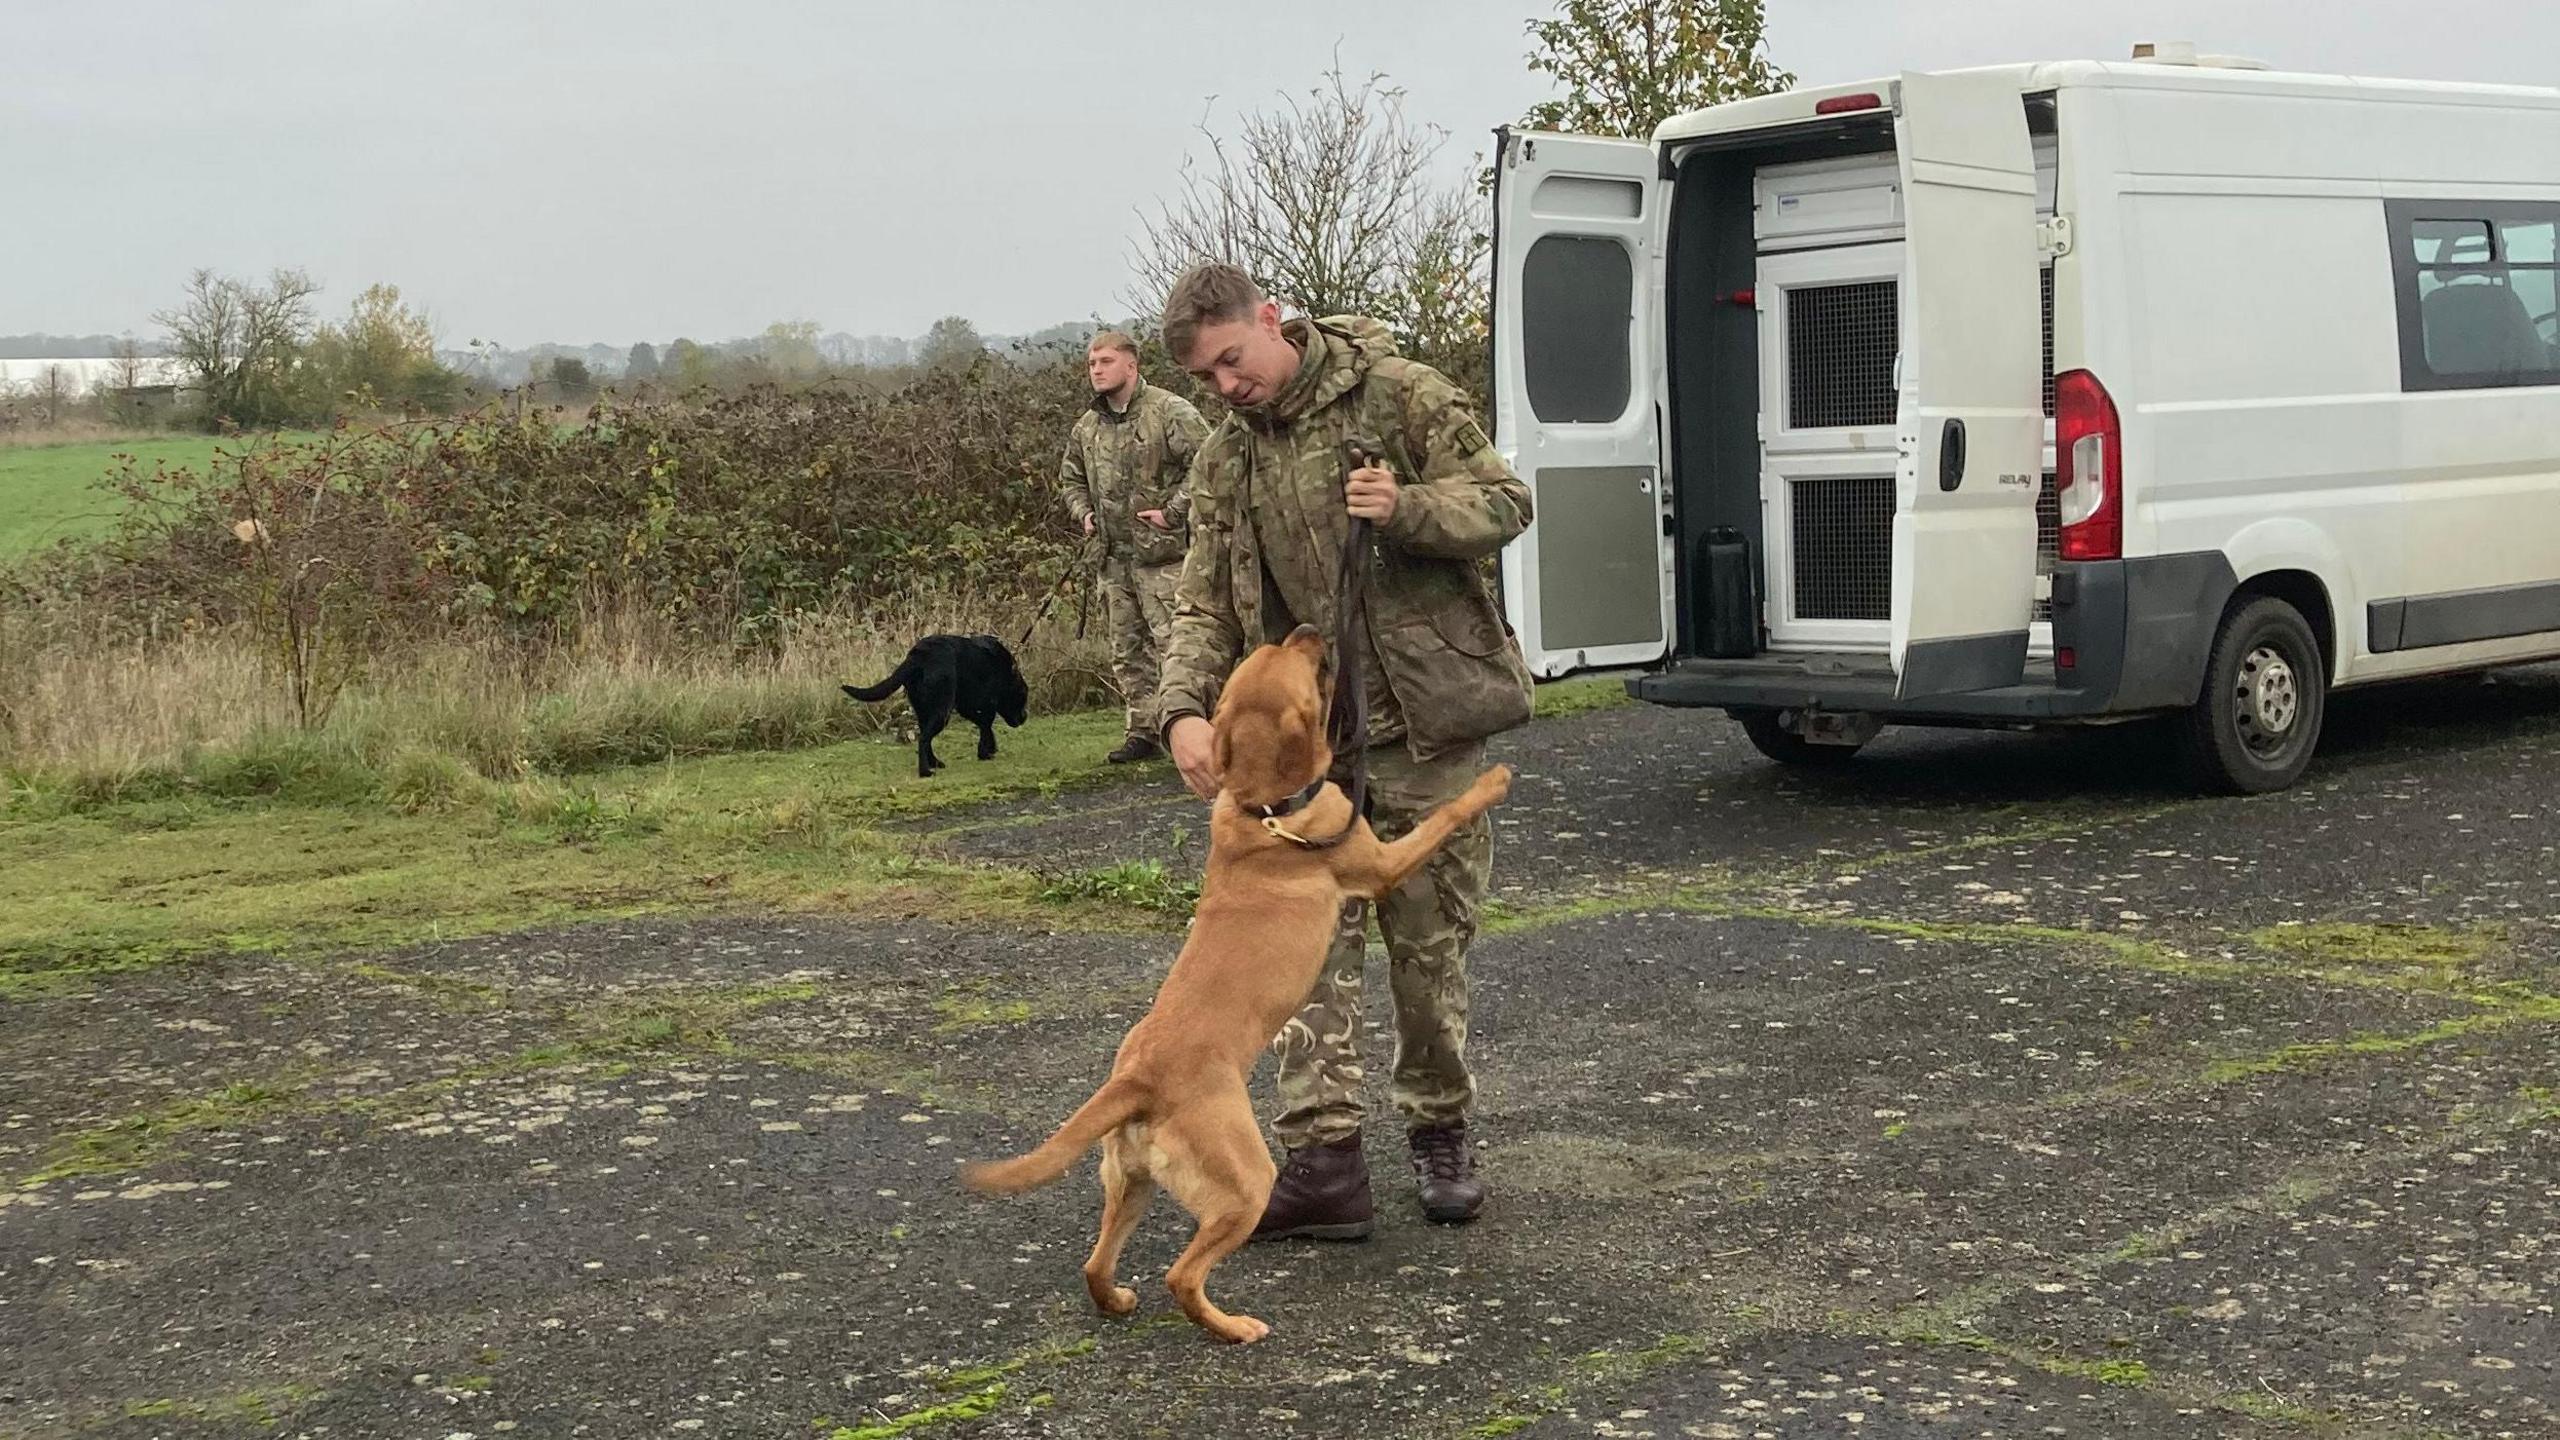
(1951, 455)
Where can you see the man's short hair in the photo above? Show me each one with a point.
(1112, 340)
(1210, 293)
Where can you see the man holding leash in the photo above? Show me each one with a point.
(1123, 477)
(1271, 513)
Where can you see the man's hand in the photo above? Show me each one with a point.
(1155, 518)
(1195, 754)
(1370, 494)
(1088, 524)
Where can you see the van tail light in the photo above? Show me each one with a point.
(2089, 483)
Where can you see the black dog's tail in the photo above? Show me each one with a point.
(906, 671)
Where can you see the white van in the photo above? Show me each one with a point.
(2039, 394)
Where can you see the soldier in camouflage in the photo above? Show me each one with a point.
(1270, 513)
(1123, 477)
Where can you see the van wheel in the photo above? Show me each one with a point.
(2265, 692)
(1785, 746)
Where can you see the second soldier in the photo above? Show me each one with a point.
(1123, 475)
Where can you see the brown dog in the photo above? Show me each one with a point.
(1175, 1111)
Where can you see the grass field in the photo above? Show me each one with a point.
(129, 885)
(157, 804)
(50, 491)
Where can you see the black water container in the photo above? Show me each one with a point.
(1727, 620)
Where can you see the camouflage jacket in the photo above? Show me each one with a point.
(1119, 463)
(1268, 528)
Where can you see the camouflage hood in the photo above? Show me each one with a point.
(1337, 353)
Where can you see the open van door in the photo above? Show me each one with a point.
(1576, 379)
(1970, 406)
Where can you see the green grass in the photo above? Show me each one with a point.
(2127, 1374)
(128, 1143)
(265, 1407)
(122, 886)
(972, 1406)
(49, 492)
(360, 862)
(2410, 946)
(1580, 694)
(1146, 884)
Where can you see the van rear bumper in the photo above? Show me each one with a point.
(2139, 632)
(1853, 683)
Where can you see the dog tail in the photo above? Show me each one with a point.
(886, 688)
(1114, 1105)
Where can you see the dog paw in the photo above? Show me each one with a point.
(1119, 1300)
(1242, 1330)
(1493, 785)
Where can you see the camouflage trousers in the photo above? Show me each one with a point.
(1138, 602)
(1428, 922)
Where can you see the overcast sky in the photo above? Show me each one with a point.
(628, 170)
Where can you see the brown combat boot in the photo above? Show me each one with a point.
(1135, 748)
(1322, 1194)
(1446, 1166)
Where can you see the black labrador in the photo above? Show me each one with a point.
(974, 675)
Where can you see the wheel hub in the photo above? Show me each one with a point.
(2269, 699)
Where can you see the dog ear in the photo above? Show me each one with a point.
(1306, 746)
(1298, 748)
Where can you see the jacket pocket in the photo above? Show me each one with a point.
(1151, 546)
(1469, 629)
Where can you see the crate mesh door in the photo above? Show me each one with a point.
(1840, 346)
(2044, 282)
(1843, 547)
(1841, 341)
(2048, 501)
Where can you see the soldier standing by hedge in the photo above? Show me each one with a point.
(1123, 475)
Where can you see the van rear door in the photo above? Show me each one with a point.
(1969, 414)
(1577, 366)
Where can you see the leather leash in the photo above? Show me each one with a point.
(1346, 725)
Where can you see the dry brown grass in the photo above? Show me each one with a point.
(98, 722)
(74, 432)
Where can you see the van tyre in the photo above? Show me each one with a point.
(1784, 745)
(2266, 691)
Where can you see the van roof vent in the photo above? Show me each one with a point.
(2183, 52)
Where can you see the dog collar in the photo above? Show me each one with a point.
(1293, 804)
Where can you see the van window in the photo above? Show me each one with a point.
(2450, 242)
(2523, 244)
(1577, 309)
(2479, 293)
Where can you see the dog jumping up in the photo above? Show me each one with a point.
(974, 675)
(1175, 1111)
